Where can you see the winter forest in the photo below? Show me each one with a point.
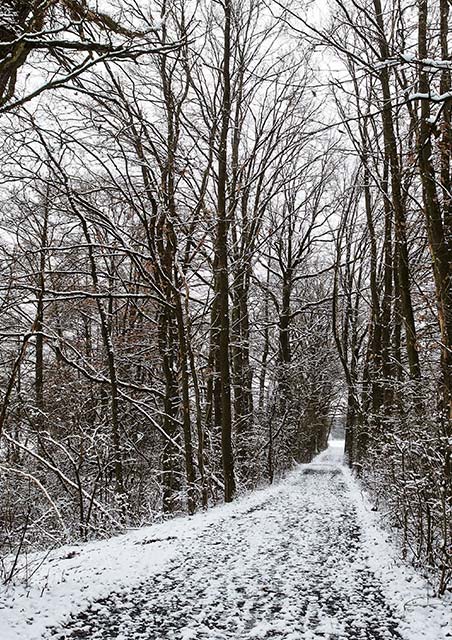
(225, 237)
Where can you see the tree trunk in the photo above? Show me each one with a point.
(437, 227)
(403, 272)
(242, 375)
(221, 321)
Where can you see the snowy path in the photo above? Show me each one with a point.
(304, 559)
(293, 564)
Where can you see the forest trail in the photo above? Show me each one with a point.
(293, 566)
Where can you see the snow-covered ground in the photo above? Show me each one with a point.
(304, 559)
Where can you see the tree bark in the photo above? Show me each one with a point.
(437, 224)
(403, 272)
(221, 320)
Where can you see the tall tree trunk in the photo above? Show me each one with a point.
(390, 141)
(221, 321)
(375, 357)
(437, 226)
(170, 456)
(266, 345)
(39, 360)
(386, 305)
(242, 375)
(200, 431)
(186, 419)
